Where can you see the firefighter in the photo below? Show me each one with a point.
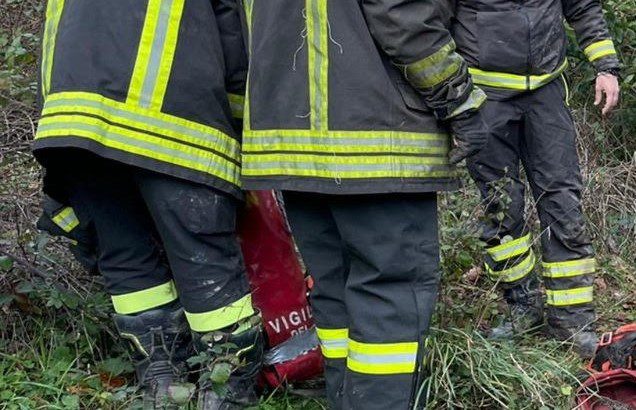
(517, 53)
(139, 142)
(347, 107)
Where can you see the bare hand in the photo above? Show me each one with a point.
(607, 84)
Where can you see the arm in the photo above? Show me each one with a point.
(586, 17)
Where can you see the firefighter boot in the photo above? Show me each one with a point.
(525, 304)
(160, 342)
(574, 325)
(234, 359)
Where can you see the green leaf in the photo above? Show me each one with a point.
(70, 402)
(5, 299)
(116, 366)
(181, 393)
(566, 390)
(6, 263)
(221, 373)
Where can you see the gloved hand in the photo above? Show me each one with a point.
(470, 135)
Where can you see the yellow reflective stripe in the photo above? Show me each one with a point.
(510, 249)
(249, 6)
(599, 49)
(475, 100)
(156, 53)
(382, 358)
(139, 143)
(53, 14)
(515, 273)
(66, 219)
(237, 105)
(223, 317)
(569, 269)
(333, 342)
(514, 81)
(570, 296)
(141, 118)
(146, 299)
(434, 69)
(318, 64)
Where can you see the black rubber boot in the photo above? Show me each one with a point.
(234, 359)
(574, 324)
(161, 343)
(525, 303)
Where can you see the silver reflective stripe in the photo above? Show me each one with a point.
(510, 249)
(390, 166)
(383, 358)
(569, 269)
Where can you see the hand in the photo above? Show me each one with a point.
(607, 84)
(470, 135)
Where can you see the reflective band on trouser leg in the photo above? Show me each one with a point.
(66, 219)
(140, 301)
(333, 342)
(569, 297)
(434, 69)
(382, 358)
(600, 49)
(475, 100)
(510, 249)
(569, 269)
(237, 105)
(515, 273)
(318, 64)
(156, 53)
(514, 81)
(223, 317)
(53, 13)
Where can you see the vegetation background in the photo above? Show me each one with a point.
(57, 347)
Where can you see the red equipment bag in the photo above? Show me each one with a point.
(279, 291)
(612, 384)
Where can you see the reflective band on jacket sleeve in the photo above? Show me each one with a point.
(475, 100)
(515, 273)
(53, 14)
(146, 299)
(510, 249)
(66, 219)
(434, 69)
(318, 64)
(514, 81)
(237, 105)
(223, 317)
(570, 297)
(333, 342)
(156, 53)
(599, 49)
(569, 269)
(382, 358)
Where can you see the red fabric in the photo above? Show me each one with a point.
(278, 284)
(616, 385)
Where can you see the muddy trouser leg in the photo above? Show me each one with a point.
(324, 254)
(509, 257)
(393, 250)
(197, 226)
(552, 165)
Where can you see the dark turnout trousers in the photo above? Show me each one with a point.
(375, 261)
(160, 239)
(536, 130)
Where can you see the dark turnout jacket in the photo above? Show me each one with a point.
(150, 83)
(344, 96)
(521, 45)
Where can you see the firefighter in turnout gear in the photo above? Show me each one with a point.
(517, 53)
(347, 107)
(139, 140)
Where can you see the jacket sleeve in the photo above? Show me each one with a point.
(413, 35)
(228, 18)
(586, 17)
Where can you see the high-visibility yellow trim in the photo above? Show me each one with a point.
(333, 342)
(249, 6)
(318, 62)
(346, 134)
(146, 299)
(434, 69)
(515, 273)
(510, 249)
(570, 297)
(223, 317)
(54, 10)
(569, 269)
(143, 55)
(237, 105)
(476, 99)
(382, 358)
(599, 50)
(514, 81)
(66, 219)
